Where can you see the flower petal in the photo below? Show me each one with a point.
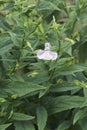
(40, 54)
(54, 55)
(47, 55)
(47, 46)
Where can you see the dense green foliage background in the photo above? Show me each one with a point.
(37, 94)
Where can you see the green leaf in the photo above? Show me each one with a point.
(66, 46)
(85, 91)
(21, 117)
(4, 24)
(83, 53)
(5, 49)
(72, 69)
(64, 125)
(61, 63)
(16, 38)
(43, 92)
(63, 87)
(5, 44)
(62, 103)
(17, 77)
(23, 88)
(21, 125)
(8, 7)
(41, 117)
(80, 114)
(47, 5)
(2, 99)
(83, 124)
(4, 126)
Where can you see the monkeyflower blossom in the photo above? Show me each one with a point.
(47, 54)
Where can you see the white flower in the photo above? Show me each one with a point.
(46, 54)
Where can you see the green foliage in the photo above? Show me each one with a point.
(43, 94)
(4, 126)
(21, 116)
(41, 117)
(23, 126)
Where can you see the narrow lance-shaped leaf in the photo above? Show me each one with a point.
(62, 103)
(4, 126)
(23, 88)
(22, 125)
(64, 125)
(79, 115)
(22, 116)
(41, 117)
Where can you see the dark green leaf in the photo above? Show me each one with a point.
(64, 125)
(79, 115)
(62, 103)
(41, 117)
(4, 126)
(23, 88)
(23, 126)
(21, 117)
(83, 123)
